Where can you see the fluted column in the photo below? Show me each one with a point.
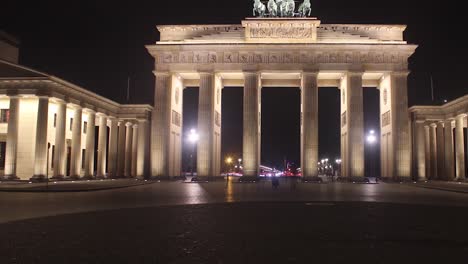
(440, 150)
(60, 154)
(420, 150)
(448, 151)
(309, 121)
(206, 112)
(113, 141)
(40, 155)
(252, 114)
(12, 139)
(352, 124)
(160, 131)
(142, 159)
(134, 150)
(121, 150)
(459, 148)
(433, 151)
(128, 149)
(427, 149)
(102, 147)
(75, 161)
(90, 148)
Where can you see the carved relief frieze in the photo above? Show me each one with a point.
(279, 57)
(281, 32)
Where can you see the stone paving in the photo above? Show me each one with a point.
(229, 222)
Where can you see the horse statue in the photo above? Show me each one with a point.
(259, 8)
(287, 8)
(304, 9)
(272, 8)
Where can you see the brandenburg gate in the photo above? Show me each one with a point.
(281, 52)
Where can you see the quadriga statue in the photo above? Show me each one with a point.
(304, 9)
(272, 8)
(287, 8)
(259, 8)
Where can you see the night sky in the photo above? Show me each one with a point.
(99, 45)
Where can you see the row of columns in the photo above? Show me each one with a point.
(397, 160)
(440, 155)
(128, 149)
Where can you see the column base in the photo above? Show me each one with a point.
(100, 177)
(89, 177)
(208, 178)
(353, 179)
(74, 177)
(249, 179)
(58, 177)
(398, 179)
(167, 178)
(313, 179)
(9, 178)
(38, 178)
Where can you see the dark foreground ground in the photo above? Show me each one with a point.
(254, 232)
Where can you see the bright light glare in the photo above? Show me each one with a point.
(193, 136)
(371, 139)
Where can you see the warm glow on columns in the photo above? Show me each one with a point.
(251, 135)
(40, 161)
(459, 147)
(309, 141)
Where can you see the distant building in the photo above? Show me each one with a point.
(50, 127)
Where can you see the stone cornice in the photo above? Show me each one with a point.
(439, 112)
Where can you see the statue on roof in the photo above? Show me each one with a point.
(259, 8)
(304, 9)
(281, 8)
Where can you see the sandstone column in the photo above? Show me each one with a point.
(395, 128)
(128, 150)
(448, 151)
(166, 142)
(60, 154)
(134, 150)
(352, 122)
(309, 121)
(102, 146)
(75, 161)
(427, 149)
(113, 141)
(12, 139)
(459, 148)
(420, 150)
(90, 148)
(121, 150)
(209, 119)
(160, 123)
(433, 151)
(440, 150)
(142, 151)
(252, 123)
(40, 158)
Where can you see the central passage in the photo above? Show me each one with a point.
(281, 127)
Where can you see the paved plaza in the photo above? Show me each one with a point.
(219, 222)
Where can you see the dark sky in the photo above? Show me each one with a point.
(98, 44)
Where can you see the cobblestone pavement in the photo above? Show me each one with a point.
(175, 222)
(255, 232)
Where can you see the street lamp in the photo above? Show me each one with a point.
(371, 140)
(193, 139)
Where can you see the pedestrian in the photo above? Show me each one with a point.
(275, 182)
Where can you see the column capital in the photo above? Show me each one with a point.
(58, 100)
(89, 111)
(355, 73)
(309, 72)
(100, 114)
(162, 73)
(250, 73)
(206, 73)
(400, 73)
